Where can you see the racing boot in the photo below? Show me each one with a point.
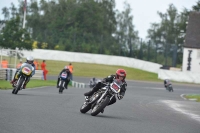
(11, 82)
(102, 111)
(90, 93)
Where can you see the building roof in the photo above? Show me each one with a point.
(192, 37)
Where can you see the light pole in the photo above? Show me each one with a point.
(148, 50)
(156, 41)
(163, 39)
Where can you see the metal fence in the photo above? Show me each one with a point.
(8, 74)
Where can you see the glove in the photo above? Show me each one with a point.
(120, 97)
(103, 81)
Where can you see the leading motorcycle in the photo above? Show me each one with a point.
(24, 76)
(100, 99)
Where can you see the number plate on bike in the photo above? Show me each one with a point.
(114, 86)
(64, 75)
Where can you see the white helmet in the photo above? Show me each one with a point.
(30, 59)
(66, 68)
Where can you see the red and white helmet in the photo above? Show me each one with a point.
(120, 73)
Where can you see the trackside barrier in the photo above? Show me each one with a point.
(78, 85)
(38, 74)
(8, 74)
(3, 74)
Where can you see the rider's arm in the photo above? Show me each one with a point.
(123, 89)
(109, 78)
(33, 72)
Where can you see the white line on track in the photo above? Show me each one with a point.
(182, 96)
(179, 108)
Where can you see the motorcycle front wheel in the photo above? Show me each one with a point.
(18, 86)
(61, 88)
(85, 108)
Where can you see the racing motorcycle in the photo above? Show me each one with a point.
(24, 76)
(100, 99)
(169, 87)
(62, 82)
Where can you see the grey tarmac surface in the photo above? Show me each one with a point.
(146, 108)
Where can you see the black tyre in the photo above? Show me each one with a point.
(18, 86)
(170, 89)
(85, 108)
(13, 91)
(99, 107)
(61, 87)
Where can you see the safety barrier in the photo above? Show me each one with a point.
(3, 74)
(38, 74)
(8, 74)
(78, 84)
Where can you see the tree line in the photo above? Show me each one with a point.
(94, 26)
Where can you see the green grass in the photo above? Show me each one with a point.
(95, 70)
(4, 85)
(194, 96)
(83, 70)
(99, 70)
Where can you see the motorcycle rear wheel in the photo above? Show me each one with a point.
(99, 107)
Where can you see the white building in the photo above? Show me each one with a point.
(191, 49)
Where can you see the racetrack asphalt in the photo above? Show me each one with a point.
(146, 108)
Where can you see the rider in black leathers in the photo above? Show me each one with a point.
(166, 83)
(66, 69)
(121, 75)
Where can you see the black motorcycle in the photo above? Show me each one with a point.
(62, 82)
(100, 99)
(24, 76)
(169, 87)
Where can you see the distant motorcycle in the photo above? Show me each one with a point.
(169, 87)
(100, 99)
(62, 82)
(93, 82)
(25, 74)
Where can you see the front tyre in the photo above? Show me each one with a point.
(100, 106)
(61, 87)
(18, 86)
(13, 90)
(85, 108)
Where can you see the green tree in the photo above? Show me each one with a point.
(11, 35)
(197, 6)
(126, 35)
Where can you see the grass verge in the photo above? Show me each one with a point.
(193, 96)
(4, 85)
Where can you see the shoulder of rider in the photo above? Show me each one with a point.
(109, 78)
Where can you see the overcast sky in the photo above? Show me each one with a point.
(143, 11)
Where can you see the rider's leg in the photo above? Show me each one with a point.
(94, 89)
